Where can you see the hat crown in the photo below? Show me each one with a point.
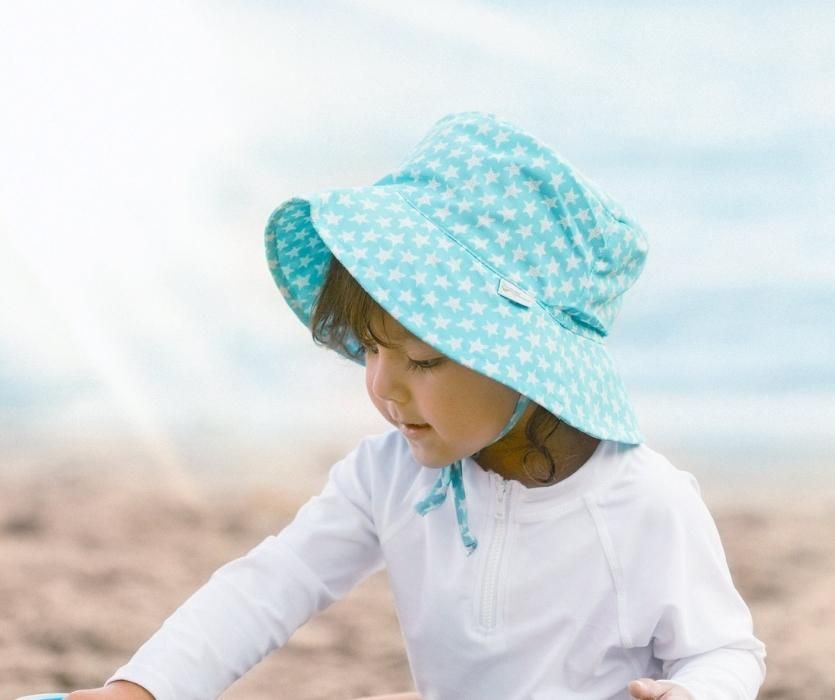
(491, 248)
(521, 209)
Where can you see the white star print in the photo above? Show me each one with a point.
(499, 207)
(512, 190)
(533, 185)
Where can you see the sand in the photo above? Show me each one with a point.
(93, 562)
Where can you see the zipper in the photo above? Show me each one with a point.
(492, 568)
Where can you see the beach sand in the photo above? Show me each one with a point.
(93, 562)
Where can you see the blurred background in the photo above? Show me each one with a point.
(143, 145)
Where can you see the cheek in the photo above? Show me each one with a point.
(487, 393)
(473, 399)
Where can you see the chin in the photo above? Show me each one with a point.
(424, 461)
(429, 461)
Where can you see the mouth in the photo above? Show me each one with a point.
(413, 430)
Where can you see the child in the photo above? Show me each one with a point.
(536, 548)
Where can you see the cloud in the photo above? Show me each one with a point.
(145, 145)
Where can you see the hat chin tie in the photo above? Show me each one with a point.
(452, 475)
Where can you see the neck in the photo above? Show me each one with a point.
(513, 457)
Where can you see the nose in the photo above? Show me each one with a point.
(384, 378)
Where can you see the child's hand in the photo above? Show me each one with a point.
(117, 690)
(648, 689)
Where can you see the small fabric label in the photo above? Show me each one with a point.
(512, 292)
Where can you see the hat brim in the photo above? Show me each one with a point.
(447, 296)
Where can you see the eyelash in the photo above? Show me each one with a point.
(423, 365)
(414, 365)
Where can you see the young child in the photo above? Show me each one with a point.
(536, 548)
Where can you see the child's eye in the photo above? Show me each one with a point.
(423, 365)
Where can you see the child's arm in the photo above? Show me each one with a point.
(681, 600)
(253, 605)
(727, 673)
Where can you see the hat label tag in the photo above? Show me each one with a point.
(512, 292)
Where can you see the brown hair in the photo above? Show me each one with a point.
(343, 313)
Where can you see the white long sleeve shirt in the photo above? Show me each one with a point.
(613, 574)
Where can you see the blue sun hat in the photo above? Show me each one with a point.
(491, 247)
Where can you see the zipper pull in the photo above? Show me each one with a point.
(501, 493)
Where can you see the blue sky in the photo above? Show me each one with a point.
(143, 146)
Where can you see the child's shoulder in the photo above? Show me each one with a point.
(642, 477)
(649, 504)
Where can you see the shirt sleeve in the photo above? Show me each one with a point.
(681, 599)
(252, 605)
(719, 675)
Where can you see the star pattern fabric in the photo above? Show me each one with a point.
(451, 475)
(492, 248)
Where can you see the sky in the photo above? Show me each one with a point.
(144, 145)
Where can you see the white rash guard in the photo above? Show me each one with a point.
(613, 574)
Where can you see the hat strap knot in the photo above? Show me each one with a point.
(453, 475)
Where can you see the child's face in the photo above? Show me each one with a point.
(445, 410)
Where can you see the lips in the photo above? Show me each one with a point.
(401, 423)
(414, 430)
